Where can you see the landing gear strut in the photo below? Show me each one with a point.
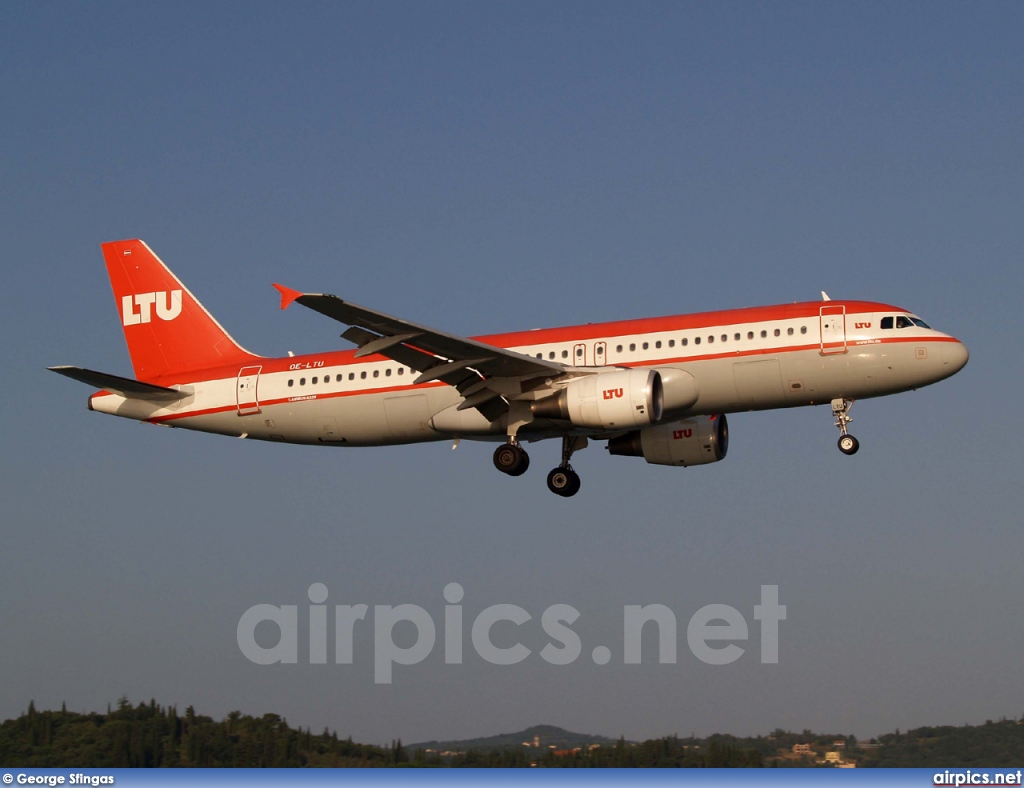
(841, 410)
(563, 480)
(510, 458)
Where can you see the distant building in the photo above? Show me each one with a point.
(839, 744)
(833, 756)
(801, 749)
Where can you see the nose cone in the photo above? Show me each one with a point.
(954, 357)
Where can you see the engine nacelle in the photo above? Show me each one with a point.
(681, 392)
(696, 441)
(619, 400)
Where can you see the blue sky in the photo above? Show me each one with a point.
(490, 167)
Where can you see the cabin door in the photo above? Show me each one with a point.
(247, 397)
(833, 329)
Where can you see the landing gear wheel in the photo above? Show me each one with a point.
(841, 411)
(509, 458)
(564, 482)
(848, 444)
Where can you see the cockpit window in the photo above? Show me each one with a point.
(920, 323)
(886, 322)
(903, 321)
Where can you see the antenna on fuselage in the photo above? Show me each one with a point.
(824, 296)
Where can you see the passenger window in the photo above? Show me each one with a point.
(600, 350)
(711, 339)
(789, 331)
(696, 340)
(671, 343)
(618, 348)
(565, 353)
(632, 346)
(684, 341)
(362, 375)
(401, 370)
(351, 375)
(725, 337)
(736, 336)
(803, 329)
(750, 335)
(778, 333)
(657, 344)
(646, 346)
(387, 373)
(302, 381)
(579, 352)
(764, 334)
(314, 381)
(376, 373)
(551, 354)
(291, 382)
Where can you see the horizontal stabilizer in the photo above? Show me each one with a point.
(126, 387)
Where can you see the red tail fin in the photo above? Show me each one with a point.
(167, 330)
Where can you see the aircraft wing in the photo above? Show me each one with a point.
(484, 374)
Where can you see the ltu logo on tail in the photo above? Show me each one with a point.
(139, 308)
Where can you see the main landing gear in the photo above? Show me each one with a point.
(841, 410)
(563, 480)
(511, 459)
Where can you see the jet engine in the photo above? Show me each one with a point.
(695, 441)
(619, 400)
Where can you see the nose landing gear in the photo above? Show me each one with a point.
(841, 410)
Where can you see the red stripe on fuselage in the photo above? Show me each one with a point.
(296, 399)
(646, 363)
(701, 320)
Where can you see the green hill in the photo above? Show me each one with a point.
(149, 735)
(1000, 743)
(537, 737)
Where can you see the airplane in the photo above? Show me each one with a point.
(658, 388)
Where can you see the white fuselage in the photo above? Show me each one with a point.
(750, 359)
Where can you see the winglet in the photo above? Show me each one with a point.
(287, 295)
